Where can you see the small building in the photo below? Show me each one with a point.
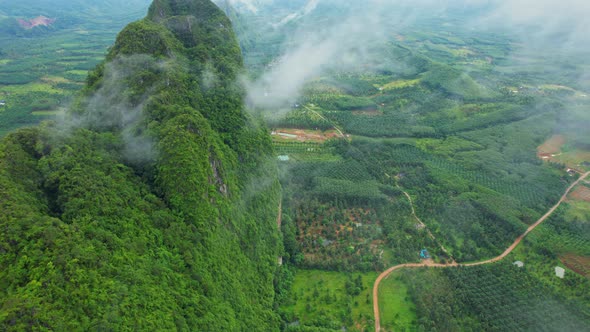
(284, 158)
(559, 272)
(424, 254)
(519, 263)
(2, 102)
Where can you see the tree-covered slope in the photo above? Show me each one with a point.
(153, 205)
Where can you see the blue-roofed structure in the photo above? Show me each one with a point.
(424, 254)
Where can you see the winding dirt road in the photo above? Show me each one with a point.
(493, 260)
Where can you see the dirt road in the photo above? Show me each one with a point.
(422, 225)
(495, 259)
(324, 118)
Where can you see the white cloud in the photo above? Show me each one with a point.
(562, 26)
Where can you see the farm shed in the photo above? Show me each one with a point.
(559, 272)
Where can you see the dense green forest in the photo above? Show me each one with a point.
(144, 209)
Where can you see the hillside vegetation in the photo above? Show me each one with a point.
(144, 209)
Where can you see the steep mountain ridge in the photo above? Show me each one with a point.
(153, 206)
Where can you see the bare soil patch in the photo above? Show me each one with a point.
(551, 146)
(304, 135)
(581, 193)
(578, 264)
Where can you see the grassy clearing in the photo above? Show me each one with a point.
(78, 72)
(398, 312)
(54, 79)
(31, 87)
(320, 297)
(574, 158)
(578, 210)
(462, 52)
(557, 88)
(400, 84)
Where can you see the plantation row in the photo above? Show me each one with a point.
(498, 297)
(529, 194)
(300, 119)
(298, 147)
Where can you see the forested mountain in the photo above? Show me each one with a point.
(153, 204)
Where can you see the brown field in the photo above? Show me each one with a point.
(581, 193)
(303, 135)
(578, 264)
(552, 145)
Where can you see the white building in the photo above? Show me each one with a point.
(559, 272)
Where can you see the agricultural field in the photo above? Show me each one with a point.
(42, 70)
(578, 264)
(401, 311)
(463, 132)
(552, 146)
(491, 297)
(330, 300)
(581, 193)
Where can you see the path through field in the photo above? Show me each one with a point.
(422, 225)
(324, 118)
(454, 264)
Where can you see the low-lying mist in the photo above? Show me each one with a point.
(543, 31)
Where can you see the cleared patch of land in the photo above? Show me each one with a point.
(330, 297)
(557, 88)
(574, 159)
(401, 311)
(557, 150)
(303, 135)
(400, 84)
(578, 264)
(581, 193)
(54, 80)
(552, 146)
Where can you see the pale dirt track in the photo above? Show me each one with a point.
(493, 260)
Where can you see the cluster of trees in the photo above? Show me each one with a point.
(475, 213)
(328, 302)
(300, 118)
(342, 217)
